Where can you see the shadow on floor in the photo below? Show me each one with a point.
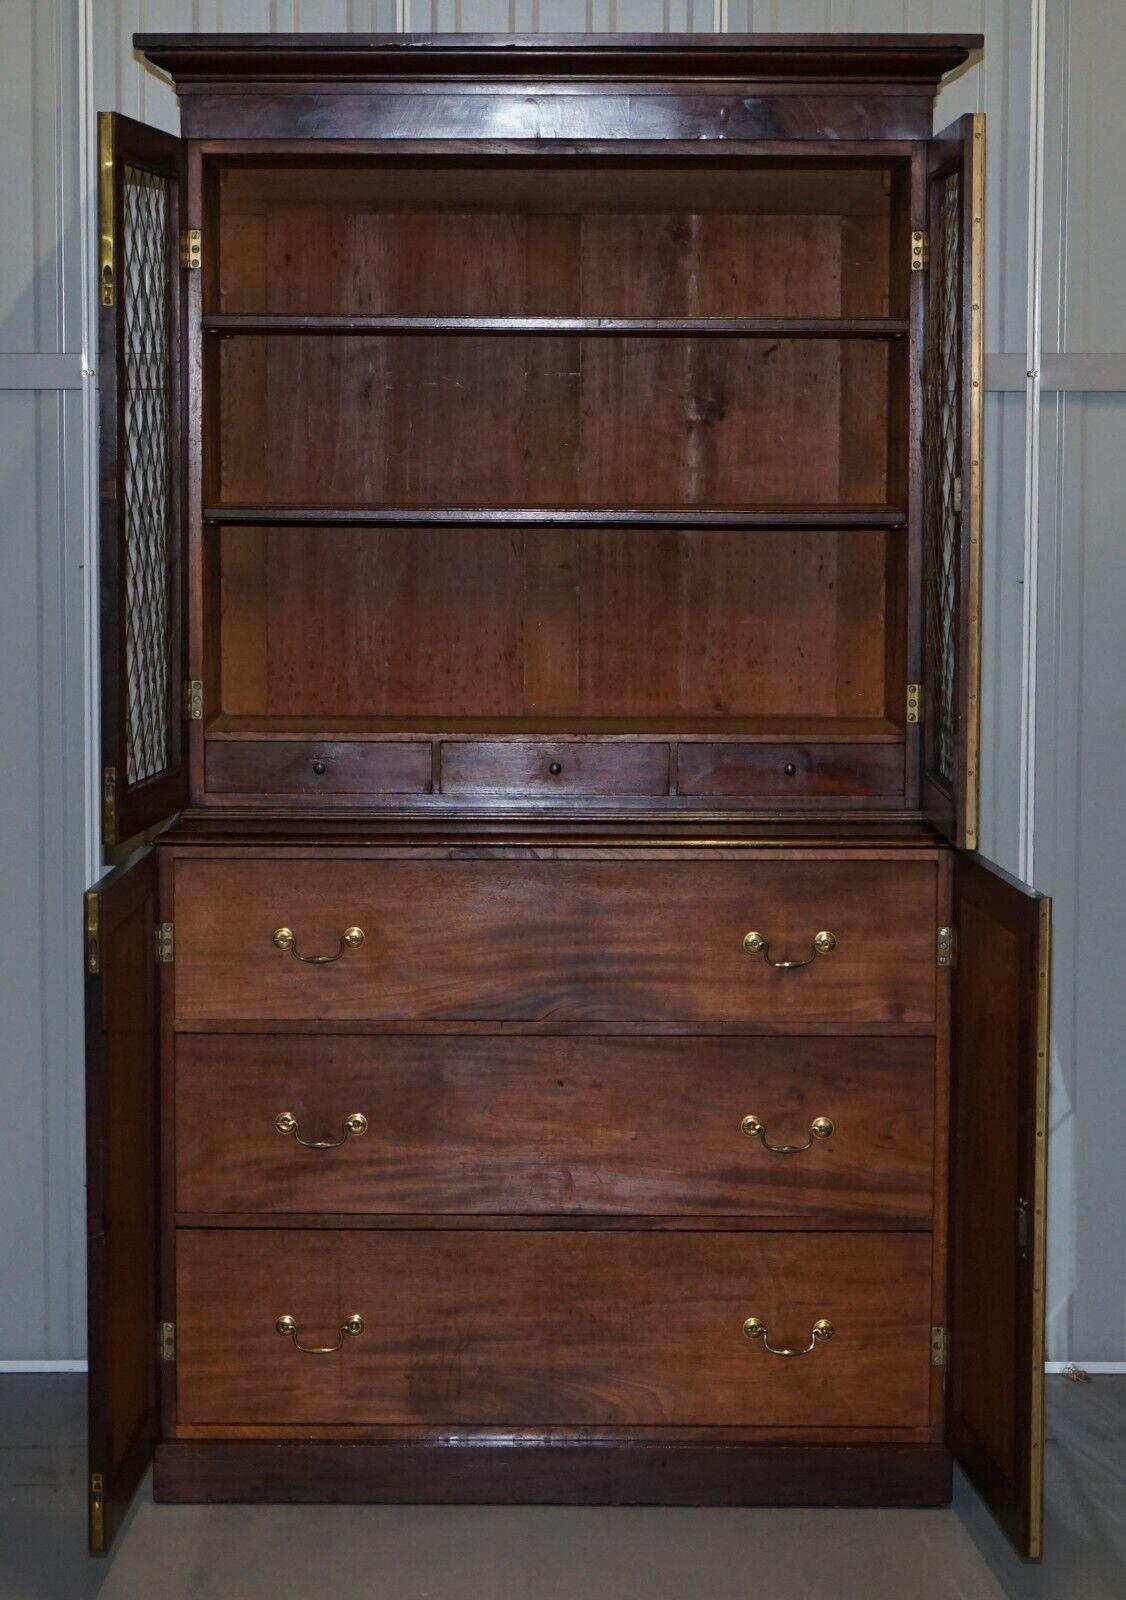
(546, 1553)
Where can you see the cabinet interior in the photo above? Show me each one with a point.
(571, 445)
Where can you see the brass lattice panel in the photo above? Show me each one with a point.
(147, 465)
(941, 481)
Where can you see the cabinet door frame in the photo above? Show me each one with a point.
(142, 514)
(953, 397)
(122, 1187)
(998, 1189)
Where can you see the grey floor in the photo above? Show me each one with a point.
(469, 1553)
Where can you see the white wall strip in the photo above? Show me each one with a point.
(1026, 839)
(42, 1366)
(1095, 1368)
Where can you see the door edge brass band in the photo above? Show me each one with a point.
(106, 285)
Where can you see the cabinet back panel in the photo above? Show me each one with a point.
(473, 420)
(555, 240)
(507, 622)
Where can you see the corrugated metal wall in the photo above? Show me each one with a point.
(53, 50)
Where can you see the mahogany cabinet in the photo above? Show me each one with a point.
(550, 1036)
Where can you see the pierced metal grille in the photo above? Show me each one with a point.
(148, 487)
(941, 481)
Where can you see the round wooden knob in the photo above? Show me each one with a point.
(555, 768)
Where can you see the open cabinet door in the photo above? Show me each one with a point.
(952, 464)
(122, 1044)
(999, 1090)
(142, 571)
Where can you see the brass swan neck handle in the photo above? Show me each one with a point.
(819, 1128)
(286, 939)
(757, 944)
(822, 1329)
(351, 1327)
(354, 1126)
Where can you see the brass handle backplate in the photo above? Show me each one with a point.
(354, 1126)
(822, 1329)
(286, 939)
(819, 1128)
(287, 1327)
(756, 944)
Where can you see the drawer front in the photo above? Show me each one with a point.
(556, 941)
(546, 1125)
(562, 767)
(531, 1329)
(278, 766)
(791, 771)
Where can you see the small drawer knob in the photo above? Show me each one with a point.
(555, 768)
(789, 769)
(319, 768)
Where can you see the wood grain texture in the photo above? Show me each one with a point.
(780, 771)
(565, 767)
(634, 1473)
(532, 1329)
(312, 768)
(503, 622)
(590, 1126)
(564, 941)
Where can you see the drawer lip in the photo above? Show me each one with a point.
(552, 1330)
(273, 767)
(521, 767)
(643, 1128)
(530, 940)
(823, 771)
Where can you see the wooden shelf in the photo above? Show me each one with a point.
(832, 517)
(228, 323)
(771, 730)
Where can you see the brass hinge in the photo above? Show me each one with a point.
(193, 699)
(920, 251)
(914, 694)
(109, 805)
(165, 943)
(166, 1341)
(93, 932)
(191, 249)
(940, 1347)
(97, 1514)
(948, 947)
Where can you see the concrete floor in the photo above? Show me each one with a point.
(538, 1553)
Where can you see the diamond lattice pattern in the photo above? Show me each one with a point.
(941, 507)
(148, 509)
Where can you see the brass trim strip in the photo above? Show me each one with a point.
(106, 284)
(974, 505)
(1039, 1229)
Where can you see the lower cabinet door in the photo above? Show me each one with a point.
(526, 1329)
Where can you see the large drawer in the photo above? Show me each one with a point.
(530, 1329)
(578, 1126)
(555, 941)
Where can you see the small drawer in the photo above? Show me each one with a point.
(836, 1131)
(791, 771)
(538, 1328)
(555, 942)
(275, 767)
(612, 766)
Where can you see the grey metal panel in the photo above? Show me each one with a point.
(40, 371)
(1081, 589)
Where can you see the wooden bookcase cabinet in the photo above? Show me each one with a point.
(542, 517)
